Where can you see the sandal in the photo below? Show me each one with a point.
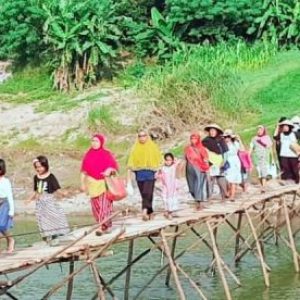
(99, 232)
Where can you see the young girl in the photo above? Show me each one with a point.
(167, 174)
(51, 219)
(6, 207)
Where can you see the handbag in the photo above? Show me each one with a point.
(245, 159)
(180, 171)
(272, 171)
(225, 167)
(116, 188)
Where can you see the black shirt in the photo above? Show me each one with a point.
(48, 184)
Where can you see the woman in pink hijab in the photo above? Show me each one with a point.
(261, 147)
(98, 163)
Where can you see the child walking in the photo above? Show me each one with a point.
(167, 174)
(51, 219)
(6, 207)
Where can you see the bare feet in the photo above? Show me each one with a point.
(10, 246)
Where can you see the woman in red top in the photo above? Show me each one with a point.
(197, 170)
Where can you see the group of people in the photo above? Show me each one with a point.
(219, 158)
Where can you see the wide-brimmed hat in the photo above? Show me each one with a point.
(215, 126)
(286, 122)
(295, 120)
(229, 132)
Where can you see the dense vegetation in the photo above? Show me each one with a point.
(84, 40)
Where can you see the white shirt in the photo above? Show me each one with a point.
(6, 192)
(286, 141)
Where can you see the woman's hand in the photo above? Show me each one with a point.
(108, 172)
(83, 188)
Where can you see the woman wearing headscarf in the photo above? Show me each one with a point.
(98, 163)
(144, 160)
(288, 156)
(217, 156)
(197, 170)
(261, 146)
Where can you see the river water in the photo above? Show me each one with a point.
(285, 283)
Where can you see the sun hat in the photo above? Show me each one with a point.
(229, 132)
(287, 122)
(295, 120)
(215, 126)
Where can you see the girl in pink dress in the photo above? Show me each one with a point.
(167, 174)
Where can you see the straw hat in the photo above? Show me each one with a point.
(229, 132)
(215, 126)
(287, 122)
(295, 120)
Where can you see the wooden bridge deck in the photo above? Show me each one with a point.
(134, 227)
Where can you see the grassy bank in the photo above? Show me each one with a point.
(238, 86)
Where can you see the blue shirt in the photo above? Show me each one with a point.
(144, 175)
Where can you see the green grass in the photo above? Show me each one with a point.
(101, 117)
(34, 85)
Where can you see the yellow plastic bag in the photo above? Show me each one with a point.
(95, 187)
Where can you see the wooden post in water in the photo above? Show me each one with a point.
(260, 254)
(100, 292)
(172, 266)
(218, 261)
(237, 237)
(128, 272)
(168, 277)
(71, 281)
(291, 238)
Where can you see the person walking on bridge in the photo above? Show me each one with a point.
(261, 147)
(7, 207)
(217, 156)
(144, 161)
(98, 162)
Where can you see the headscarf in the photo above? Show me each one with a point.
(263, 139)
(96, 161)
(145, 156)
(196, 154)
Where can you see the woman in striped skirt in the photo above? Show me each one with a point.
(98, 163)
(51, 219)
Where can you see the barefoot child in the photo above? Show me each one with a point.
(6, 207)
(167, 174)
(51, 219)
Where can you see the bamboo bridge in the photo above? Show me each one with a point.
(263, 216)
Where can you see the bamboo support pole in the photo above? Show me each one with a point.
(238, 236)
(291, 238)
(218, 261)
(262, 261)
(99, 252)
(206, 243)
(192, 282)
(172, 266)
(100, 292)
(168, 277)
(128, 272)
(71, 281)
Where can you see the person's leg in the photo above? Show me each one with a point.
(222, 183)
(10, 241)
(294, 167)
(148, 195)
(285, 168)
(144, 204)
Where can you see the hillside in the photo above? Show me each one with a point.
(36, 120)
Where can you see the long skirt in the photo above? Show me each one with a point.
(6, 222)
(50, 216)
(102, 208)
(146, 189)
(198, 183)
(290, 168)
